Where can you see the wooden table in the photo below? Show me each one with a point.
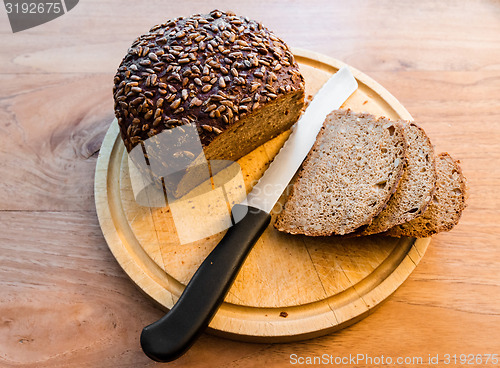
(64, 301)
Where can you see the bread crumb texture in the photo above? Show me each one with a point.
(348, 177)
(446, 205)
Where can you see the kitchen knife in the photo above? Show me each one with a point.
(171, 336)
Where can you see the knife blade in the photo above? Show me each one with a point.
(330, 97)
(171, 336)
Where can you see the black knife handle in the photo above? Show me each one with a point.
(171, 336)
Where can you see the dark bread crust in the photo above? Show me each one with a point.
(211, 70)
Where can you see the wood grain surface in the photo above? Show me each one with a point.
(64, 300)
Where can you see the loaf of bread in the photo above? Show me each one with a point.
(446, 206)
(229, 76)
(348, 177)
(416, 186)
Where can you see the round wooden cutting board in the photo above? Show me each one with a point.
(291, 287)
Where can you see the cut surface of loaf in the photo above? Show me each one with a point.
(417, 184)
(446, 206)
(348, 176)
(229, 76)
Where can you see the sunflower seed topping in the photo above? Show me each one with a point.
(210, 108)
(199, 68)
(206, 127)
(195, 102)
(158, 112)
(222, 82)
(254, 87)
(175, 104)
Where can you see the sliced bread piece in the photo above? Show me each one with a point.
(348, 176)
(446, 205)
(416, 186)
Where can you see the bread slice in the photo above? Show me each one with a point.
(446, 205)
(348, 176)
(416, 186)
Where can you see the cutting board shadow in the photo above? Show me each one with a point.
(290, 287)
